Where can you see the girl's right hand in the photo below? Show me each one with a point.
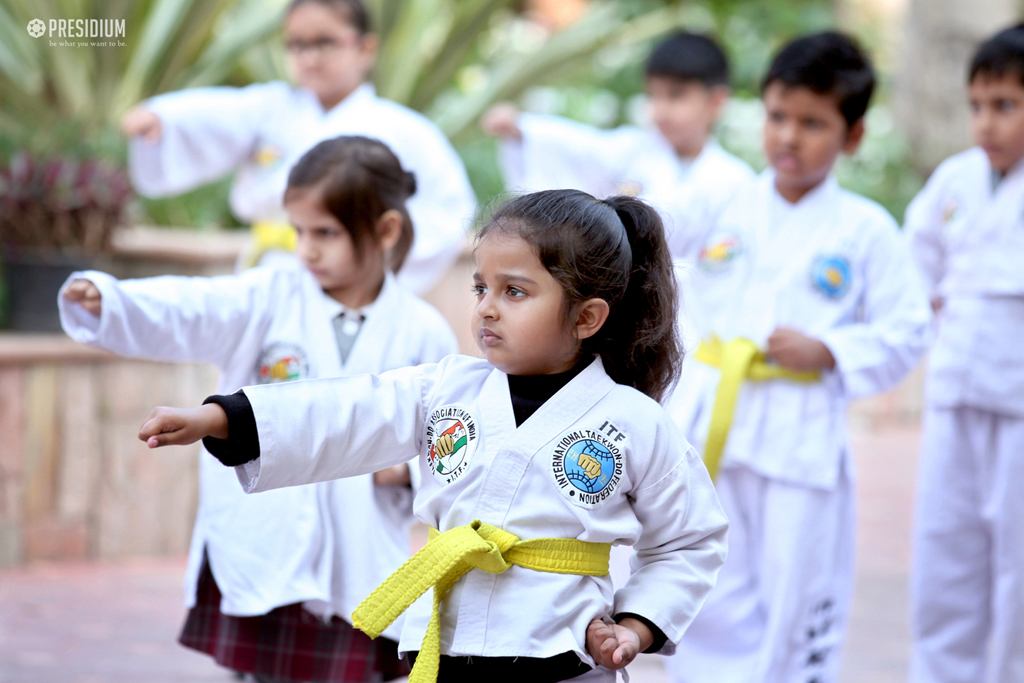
(85, 294)
(141, 122)
(182, 426)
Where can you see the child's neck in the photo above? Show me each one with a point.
(356, 296)
(689, 152)
(793, 194)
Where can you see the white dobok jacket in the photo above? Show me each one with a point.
(967, 234)
(652, 492)
(262, 130)
(327, 545)
(559, 153)
(833, 266)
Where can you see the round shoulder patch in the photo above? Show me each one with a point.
(282, 362)
(587, 467)
(719, 252)
(451, 439)
(831, 276)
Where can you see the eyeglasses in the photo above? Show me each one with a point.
(318, 47)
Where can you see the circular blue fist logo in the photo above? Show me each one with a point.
(589, 466)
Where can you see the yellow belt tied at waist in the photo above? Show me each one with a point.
(267, 236)
(739, 360)
(449, 555)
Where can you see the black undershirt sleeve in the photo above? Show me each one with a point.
(243, 442)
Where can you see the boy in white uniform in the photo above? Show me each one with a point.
(806, 298)
(967, 233)
(185, 139)
(672, 165)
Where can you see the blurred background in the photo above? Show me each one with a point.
(81, 500)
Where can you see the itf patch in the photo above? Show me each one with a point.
(831, 276)
(282, 362)
(587, 467)
(451, 436)
(719, 252)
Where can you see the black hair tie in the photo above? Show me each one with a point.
(410, 183)
(625, 217)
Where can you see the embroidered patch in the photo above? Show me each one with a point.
(282, 362)
(587, 466)
(831, 276)
(451, 434)
(719, 252)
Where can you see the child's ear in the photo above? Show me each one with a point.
(389, 229)
(854, 136)
(590, 316)
(719, 96)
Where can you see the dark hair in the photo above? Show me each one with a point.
(689, 57)
(358, 179)
(1001, 54)
(353, 11)
(827, 63)
(613, 250)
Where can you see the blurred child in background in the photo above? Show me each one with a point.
(806, 298)
(678, 161)
(269, 576)
(185, 139)
(967, 234)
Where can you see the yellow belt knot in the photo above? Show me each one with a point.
(739, 359)
(267, 236)
(447, 557)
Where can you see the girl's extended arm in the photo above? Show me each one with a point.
(167, 318)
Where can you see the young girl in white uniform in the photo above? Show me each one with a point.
(310, 550)
(184, 139)
(967, 232)
(674, 164)
(532, 461)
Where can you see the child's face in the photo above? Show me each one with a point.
(997, 118)
(685, 112)
(326, 249)
(520, 323)
(804, 133)
(326, 53)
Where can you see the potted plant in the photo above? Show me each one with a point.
(57, 215)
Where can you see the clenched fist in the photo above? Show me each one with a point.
(613, 646)
(444, 445)
(591, 465)
(85, 294)
(794, 350)
(502, 121)
(141, 122)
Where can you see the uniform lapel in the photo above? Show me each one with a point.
(372, 344)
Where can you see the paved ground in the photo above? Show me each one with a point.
(117, 623)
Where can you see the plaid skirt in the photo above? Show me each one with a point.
(287, 644)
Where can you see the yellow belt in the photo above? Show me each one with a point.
(739, 360)
(449, 555)
(267, 236)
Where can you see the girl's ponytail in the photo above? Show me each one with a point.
(613, 250)
(641, 340)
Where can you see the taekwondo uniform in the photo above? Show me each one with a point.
(598, 462)
(326, 545)
(835, 267)
(967, 234)
(557, 153)
(262, 130)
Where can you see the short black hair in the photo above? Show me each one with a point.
(689, 57)
(1000, 55)
(352, 11)
(828, 63)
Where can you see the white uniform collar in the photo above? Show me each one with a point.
(357, 97)
(334, 308)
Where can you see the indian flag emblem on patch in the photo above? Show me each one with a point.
(451, 434)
